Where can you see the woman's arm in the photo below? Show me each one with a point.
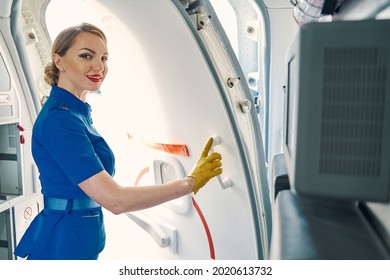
(103, 189)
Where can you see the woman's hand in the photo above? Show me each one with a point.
(207, 167)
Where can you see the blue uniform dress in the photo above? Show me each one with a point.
(67, 150)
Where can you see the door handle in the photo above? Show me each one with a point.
(164, 235)
(181, 205)
(227, 182)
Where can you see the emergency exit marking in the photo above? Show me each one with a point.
(27, 213)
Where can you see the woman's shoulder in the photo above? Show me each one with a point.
(57, 116)
(55, 110)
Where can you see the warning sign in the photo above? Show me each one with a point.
(25, 212)
(28, 213)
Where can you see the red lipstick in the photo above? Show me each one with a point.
(94, 78)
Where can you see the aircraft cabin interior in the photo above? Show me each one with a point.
(295, 93)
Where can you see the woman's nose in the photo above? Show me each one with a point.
(98, 65)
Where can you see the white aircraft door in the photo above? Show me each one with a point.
(173, 83)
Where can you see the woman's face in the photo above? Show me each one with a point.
(84, 66)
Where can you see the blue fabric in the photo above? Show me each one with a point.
(67, 150)
(61, 235)
(66, 147)
(71, 204)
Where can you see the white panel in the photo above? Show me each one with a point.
(24, 214)
(275, 4)
(5, 79)
(5, 8)
(283, 29)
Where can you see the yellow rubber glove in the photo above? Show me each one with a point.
(207, 167)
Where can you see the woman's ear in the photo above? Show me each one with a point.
(57, 59)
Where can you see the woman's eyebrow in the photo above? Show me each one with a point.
(87, 49)
(92, 51)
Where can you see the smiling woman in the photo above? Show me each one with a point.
(76, 164)
(82, 66)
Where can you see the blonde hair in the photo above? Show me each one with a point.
(63, 43)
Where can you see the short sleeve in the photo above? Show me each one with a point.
(65, 137)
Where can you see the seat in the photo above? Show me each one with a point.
(322, 229)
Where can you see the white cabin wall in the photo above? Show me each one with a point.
(5, 8)
(282, 30)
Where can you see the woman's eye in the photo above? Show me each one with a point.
(86, 56)
(104, 58)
